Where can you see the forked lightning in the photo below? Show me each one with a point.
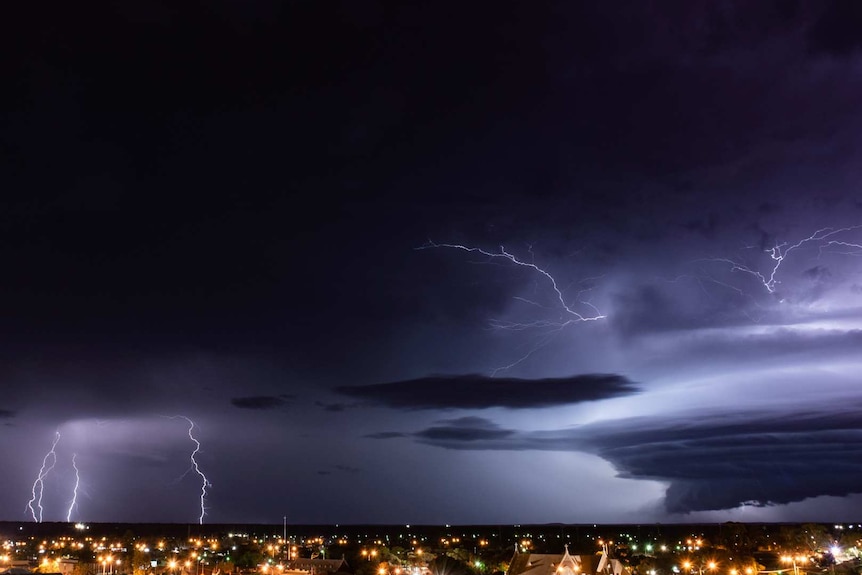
(39, 484)
(547, 328)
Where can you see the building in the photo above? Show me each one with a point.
(564, 564)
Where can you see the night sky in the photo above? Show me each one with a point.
(402, 262)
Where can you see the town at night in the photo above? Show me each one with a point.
(151, 549)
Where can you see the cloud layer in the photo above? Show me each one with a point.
(482, 392)
(716, 461)
(260, 401)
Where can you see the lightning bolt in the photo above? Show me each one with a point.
(548, 328)
(194, 466)
(39, 484)
(75, 490)
(824, 239)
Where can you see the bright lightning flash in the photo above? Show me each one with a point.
(75, 490)
(204, 481)
(39, 484)
(824, 239)
(549, 328)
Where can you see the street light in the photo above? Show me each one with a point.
(105, 561)
(792, 559)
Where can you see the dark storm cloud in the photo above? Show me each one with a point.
(480, 433)
(721, 462)
(353, 99)
(482, 392)
(386, 435)
(464, 429)
(717, 461)
(260, 401)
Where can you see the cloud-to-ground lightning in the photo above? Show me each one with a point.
(74, 501)
(548, 328)
(194, 466)
(823, 239)
(39, 484)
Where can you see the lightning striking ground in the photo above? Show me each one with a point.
(194, 465)
(74, 501)
(548, 328)
(824, 239)
(39, 484)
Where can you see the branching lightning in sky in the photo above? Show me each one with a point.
(75, 490)
(547, 328)
(824, 240)
(194, 465)
(39, 484)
